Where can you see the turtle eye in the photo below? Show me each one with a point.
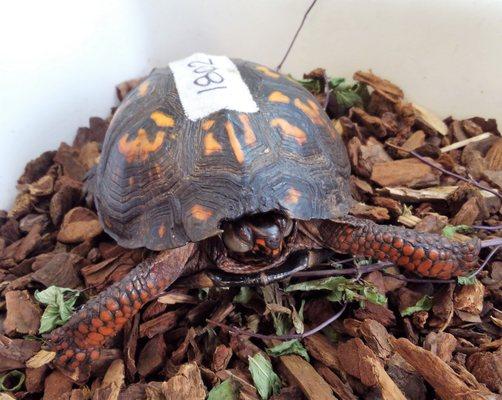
(238, 239)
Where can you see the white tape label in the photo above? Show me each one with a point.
(207, 84)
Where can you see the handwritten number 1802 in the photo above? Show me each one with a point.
(208, 77)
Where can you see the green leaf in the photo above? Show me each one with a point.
(450, 230)
(227, 390)
(297, 318)
(265, 379)
(289, 347)
(60, 305)
(342, 289)
(12, 381)
(244, 295)
(312, 85)
(335, 82)
(466, 280)
(424, 304)
(331, 283)
(348, 98)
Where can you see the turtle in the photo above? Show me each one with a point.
(252, 190)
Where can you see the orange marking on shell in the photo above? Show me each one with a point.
(211, 145)
(162, 120)
(139, 148)
(162, 231)
(234, 142)
(268, 71)
(207, 124)
(200, 213)
(292, 196)
(289, 130)
(143, 88)
(249, 136)
(278, 97)
(311, 110)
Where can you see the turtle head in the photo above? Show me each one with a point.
(260, 236)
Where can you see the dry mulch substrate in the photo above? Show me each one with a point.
(396, 339)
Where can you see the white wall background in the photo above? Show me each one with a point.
(60, 60)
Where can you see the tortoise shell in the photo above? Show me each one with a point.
(164, 180)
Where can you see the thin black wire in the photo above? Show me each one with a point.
(296, 35)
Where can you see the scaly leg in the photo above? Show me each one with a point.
(427, 254)
(78, 342)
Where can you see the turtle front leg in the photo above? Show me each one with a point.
(427, 254)
(78, 342)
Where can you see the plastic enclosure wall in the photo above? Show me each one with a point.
(61, 60)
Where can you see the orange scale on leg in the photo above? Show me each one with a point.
(444, 275)
(106, 331)
(80, 356)
(437, 268)
(74, 365)
(94, 355)
(385, 247)
(403, 260)
(424, 267)
(82, 328)
(120, 321)
(95, 336)
(144, 295)
(433, 255)
(124, 299)
(408, 249)
(81, 343)
(387, 237)
(375, 245)
(96, 322)
(126, 310)
(112, 305)
(105, 315)
(448, 267)
(62, 359)
(398, 243)
(137, 305)
(354, 248)
(419, 254)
